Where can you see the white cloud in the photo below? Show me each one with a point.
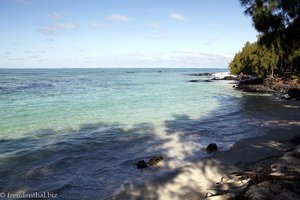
(17, 59)
(46, 30)
(156, 37)
(177, 16)
(55, 15)
(187, 50)
(118, 18)
(171, 59)
(50, 40)
(96, 25)
(34, 56)
(55, 28)
(66, 26)
(154, 25)
(139, 59)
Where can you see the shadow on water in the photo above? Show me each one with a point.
(79, 164)
(194, 181)
(231, 121)
(92, 162)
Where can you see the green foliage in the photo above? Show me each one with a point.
(272, 15)
(254, 59)
(278, 47)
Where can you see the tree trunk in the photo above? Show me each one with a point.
(272, 72)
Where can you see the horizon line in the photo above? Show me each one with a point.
(113, 67)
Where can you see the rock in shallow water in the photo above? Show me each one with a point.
(154, 160)
(227, 78)
(211, 147)
(141, 164)
(196, 81)
(201, 74)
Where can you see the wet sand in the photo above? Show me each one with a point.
(281, 127)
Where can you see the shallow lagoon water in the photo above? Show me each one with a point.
(77, 132)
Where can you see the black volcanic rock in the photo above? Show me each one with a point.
(227, 78)
(196, 81)
(201, 74)
(294, 93)
(252, 81)
(230, 78)
(212, 147)
(207, 80)
(141, 164)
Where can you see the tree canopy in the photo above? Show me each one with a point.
(278, 45)
(272, 15)
(253, 59)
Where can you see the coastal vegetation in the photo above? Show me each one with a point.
(277, 49)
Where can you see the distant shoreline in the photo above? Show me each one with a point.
(113, 68)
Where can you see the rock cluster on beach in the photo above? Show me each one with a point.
(273, 177)
(287, 87)
(280, 180)
(216, 77)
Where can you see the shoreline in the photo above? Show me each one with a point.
(287, 87)
(199, 179)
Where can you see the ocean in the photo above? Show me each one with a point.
(78, 132)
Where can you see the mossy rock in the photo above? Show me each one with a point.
(154, 160)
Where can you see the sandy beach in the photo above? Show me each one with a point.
(275, 153)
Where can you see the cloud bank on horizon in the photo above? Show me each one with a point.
(98, 33)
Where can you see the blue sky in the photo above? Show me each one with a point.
(121, 33)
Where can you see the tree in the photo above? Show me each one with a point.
(278, 21)
(270, 16)
(255, 59)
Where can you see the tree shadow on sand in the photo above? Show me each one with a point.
(197, 180)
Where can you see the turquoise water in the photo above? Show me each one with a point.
(62, 99)
(78, 132)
